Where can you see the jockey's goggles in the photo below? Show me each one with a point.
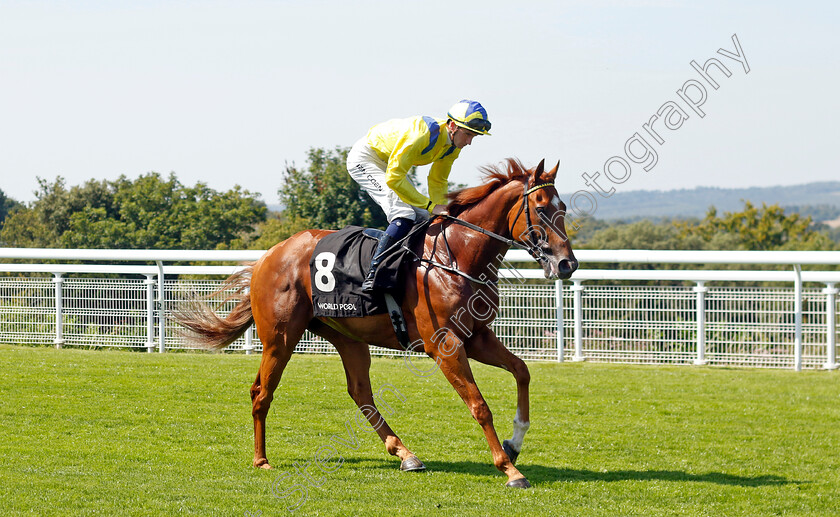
(479, 125)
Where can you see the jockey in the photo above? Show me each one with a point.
(380, 161)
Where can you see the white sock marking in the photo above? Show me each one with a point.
(519, 430)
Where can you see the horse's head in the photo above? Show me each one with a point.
(538, 222)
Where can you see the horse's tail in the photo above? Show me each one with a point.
(204, 327)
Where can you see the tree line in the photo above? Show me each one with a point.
(156, 211)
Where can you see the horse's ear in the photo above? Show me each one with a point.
(543, 176)
(549, 176)
(540, 170)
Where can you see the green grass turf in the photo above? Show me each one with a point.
(122, 433)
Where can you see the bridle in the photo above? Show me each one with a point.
(535, 249)
(534, 246)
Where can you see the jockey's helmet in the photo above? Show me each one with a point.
(470, 115)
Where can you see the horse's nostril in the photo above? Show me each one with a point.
(568, 266)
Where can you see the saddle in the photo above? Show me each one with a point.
(338, 267)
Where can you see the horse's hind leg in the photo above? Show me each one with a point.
(485, 347)
(356, 359)
(278, 346)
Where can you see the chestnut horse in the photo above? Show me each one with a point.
(458, 259)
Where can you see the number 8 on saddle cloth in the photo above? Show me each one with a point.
(338, 267)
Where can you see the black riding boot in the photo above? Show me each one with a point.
(385, 242)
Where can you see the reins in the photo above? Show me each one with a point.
(440, 265)
(534, 249)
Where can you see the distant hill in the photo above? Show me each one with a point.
(820, 200)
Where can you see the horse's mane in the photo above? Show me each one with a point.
(495, 177)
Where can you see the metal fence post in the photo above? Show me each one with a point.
(249, 341)
(150, 313)
(701, 290)
(831, 327)
(797, 339)
(59, 306)
(561, 338)
(161, 310)
(577, 289)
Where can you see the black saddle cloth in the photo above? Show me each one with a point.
(339, 265)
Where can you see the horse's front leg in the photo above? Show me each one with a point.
(455, 367)
(486, 348)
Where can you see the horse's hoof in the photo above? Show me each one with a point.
(262, 464)
(512, 454)
(412, 464)
(518, 483)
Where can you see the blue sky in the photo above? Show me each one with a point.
(229, 92)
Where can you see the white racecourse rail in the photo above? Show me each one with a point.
(785, 318)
